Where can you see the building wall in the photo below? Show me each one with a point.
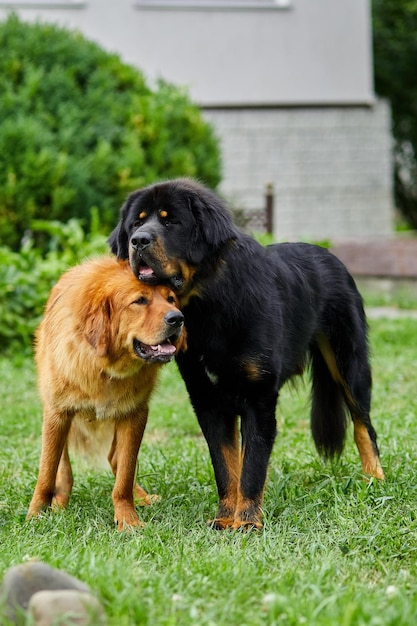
(331, 168)
(232, 52)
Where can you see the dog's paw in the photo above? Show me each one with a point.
(220, 523)
(143, 498)
(60, 501)
(245, 526)
(36, 507)
(126, 518)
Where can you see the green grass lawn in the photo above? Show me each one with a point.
(335, 550)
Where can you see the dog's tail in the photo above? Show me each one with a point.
(91, 440)
(328, 409)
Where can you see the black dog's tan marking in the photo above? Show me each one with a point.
(254, 316)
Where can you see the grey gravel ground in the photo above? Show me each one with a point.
(390, 313)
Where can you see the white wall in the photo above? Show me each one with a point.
(314, 52)
(331, 168)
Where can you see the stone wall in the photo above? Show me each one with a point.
(331, 167)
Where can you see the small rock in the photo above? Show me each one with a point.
(75, 608)
(22, 581)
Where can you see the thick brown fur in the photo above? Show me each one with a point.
(255, 316)
(98, 351)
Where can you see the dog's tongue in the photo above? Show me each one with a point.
(164, 348)
(144, 270)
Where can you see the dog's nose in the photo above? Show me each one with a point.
(141, 240)
(174, 319)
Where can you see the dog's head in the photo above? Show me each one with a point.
(126, 320)
(168, 230)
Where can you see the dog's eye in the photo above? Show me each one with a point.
(171, 299)
(167, 220)
(141, 300)
(140, 219)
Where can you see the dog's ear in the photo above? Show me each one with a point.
(97, 330)
(119, 241)
(214, 225)
(119, 238)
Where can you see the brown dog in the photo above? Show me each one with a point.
(99, 347)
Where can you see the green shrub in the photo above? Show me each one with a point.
(395, 52)
(27, 276)
(80, 129)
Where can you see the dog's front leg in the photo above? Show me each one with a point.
(55, 430)
(258, 435)
(128, 437)
(142, 498)
(223, 441)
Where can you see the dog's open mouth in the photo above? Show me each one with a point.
(144, 271)
(146, 274)
(161, 353)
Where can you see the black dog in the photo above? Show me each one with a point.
(254, 316)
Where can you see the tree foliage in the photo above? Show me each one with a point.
(80, 129)
(395, 53)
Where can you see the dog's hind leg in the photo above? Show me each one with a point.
(64, 480)
(55, 430)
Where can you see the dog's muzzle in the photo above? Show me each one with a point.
(165, 351)
(146, 265)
